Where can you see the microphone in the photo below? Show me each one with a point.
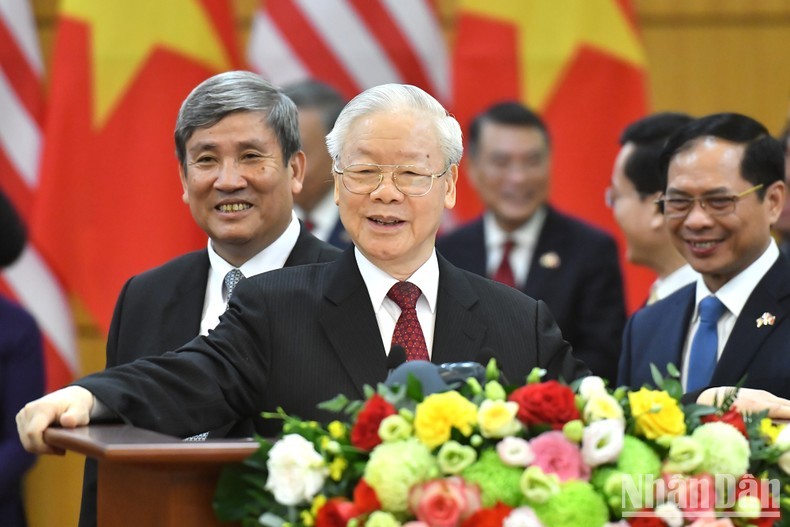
(425, 372)
(395, 358)
(454, 373)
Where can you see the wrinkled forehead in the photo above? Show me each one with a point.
(392, 137)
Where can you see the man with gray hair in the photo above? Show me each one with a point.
(319, 105)
(298, 336)
(240, 161)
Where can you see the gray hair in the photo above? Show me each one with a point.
(399, 98)
(319, 96)
(237, 91)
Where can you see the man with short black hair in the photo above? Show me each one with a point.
(521, 240)
(723, 177)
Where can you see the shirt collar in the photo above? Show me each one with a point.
(737, 291)
(270, 258)
(426, 277)
(324, 216)
(524, 236)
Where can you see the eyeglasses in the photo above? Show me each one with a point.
(366, 178)
(713, 205)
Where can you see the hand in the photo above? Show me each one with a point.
(69, 407)
(749, 400)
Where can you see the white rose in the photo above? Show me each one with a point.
(296, 470)
(591, 385)
(670, 513)
(602, 442)
(783, 439)
(522, 517)
(784, 462)
(515, 452)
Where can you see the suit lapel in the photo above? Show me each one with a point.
(350, 323)
(551, 239)
(670, 337)
(458, 334)
(746, 338)
(183, 309)
(477, 249)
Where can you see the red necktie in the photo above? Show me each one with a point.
(408, 332)
(504, 273)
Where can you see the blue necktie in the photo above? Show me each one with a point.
(705, 346)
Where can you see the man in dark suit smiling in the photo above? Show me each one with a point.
(724, 181)
(240, 160)
(522, 241)
(298, 336)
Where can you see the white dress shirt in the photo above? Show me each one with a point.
(733, 295)
(272, 257)
(663, 287)
(387, 311)
(525, 238)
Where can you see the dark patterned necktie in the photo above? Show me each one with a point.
(504, 274)
(230, 282)
(408, 332)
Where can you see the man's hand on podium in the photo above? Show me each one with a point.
(749, 400)
(69, 407)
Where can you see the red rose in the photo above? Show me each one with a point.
(749, 485)
(731, 416)
(646, 519)
(365, 498)
(336, 513)
(490, 517)
(444, 502)
(546, 403)
(365, 434)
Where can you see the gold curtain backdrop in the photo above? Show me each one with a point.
(703, 56)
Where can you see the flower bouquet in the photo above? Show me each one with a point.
(541, 454)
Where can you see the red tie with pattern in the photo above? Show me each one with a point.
(504, 273)
(408, 332)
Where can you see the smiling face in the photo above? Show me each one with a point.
(720, 247)
(394, 231)
(237, 187)
(511, 172)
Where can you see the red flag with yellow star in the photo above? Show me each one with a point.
(578, 63)
(109, 204)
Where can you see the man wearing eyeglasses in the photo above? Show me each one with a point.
(724, 188)
(295, 337)
(521, 240)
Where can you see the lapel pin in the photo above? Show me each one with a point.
(767, 319)
(549, 260)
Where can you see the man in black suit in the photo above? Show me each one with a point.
(240, 161)
(319, 105)
(523, 241)
(298, 336)
(724, 188)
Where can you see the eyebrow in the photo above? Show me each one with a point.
(242, 145)
(711, 192)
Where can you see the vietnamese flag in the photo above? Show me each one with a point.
(109, 204)
(578, 63)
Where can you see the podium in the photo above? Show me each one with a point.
(152, 479)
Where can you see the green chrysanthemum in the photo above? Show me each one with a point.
(726, 450)
(576, 504)
(395, 467)
(497, 481)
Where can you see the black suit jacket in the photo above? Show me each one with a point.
(298, 336)
(657, 334)
(160, 310)
(584, 292)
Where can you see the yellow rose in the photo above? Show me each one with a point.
(601, 406)
(656, 414)
(439, 413)
(498, 418)
(337, 430)
(770, 430)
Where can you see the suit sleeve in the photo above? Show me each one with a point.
(601, 314)
(554, 353)
(205, 384)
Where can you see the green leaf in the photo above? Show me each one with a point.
(414, 388)
(336, 404)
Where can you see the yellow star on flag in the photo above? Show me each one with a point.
(550, 33)
(125, 33)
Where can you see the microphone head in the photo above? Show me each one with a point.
(425, 372)
(459, 372)
(396, 357)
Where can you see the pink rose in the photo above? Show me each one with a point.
(721, 522)
(416, 524)
(554, 454)
(444, 502)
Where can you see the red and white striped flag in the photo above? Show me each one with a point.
(351, 44)
(29, 280)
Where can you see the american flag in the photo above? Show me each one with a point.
(351, 44)
(30, 280)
